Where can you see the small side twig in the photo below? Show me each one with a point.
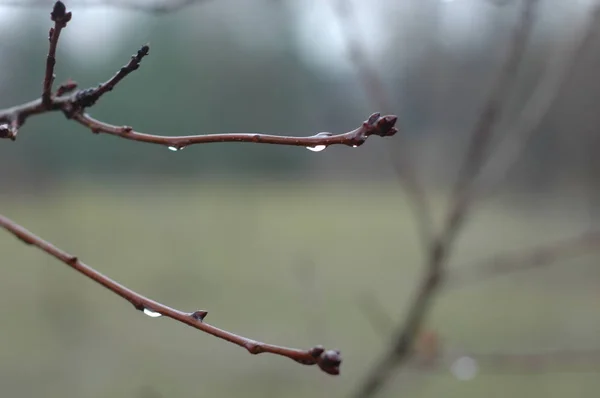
(60, 17)
(327, 360)
(87, 98)
(376, 91)
(532, 258)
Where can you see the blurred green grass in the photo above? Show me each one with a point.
(283, 263)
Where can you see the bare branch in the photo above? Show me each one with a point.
(484, 127)
(439, 251)
(376, 91)
(60, 17)
(537, 107)
(538, 361)
(375, 125)
(73, 105)
(532, 258)
(328, 360)
(87, 98)
(430, 356)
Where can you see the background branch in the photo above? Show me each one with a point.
(548, 90)
(400, 347)
(522, 260)
(376, 91)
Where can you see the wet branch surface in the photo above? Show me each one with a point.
(73, 104)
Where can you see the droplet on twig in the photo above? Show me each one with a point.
(176, 148)
(464, 368)
(319, 148)
(151, 313)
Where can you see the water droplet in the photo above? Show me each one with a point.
(151, 313)
(317, 148)
(464, 368)
(354, 146)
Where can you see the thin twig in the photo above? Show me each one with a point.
(74, 103)
(400, 347)
(60, 17)
(537, 361)
(532, 258)
(87, 98)
(328, 360)
(484, 127)
(430, 352)
(537, 107)
(375, 125)
(376, 91)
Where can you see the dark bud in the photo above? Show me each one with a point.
(199, 315)
(4, 131)
(59, 13)
(142, 52)
(373, 118)
(59, 10)
(330, 362)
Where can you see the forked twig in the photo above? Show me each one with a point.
(73, 104)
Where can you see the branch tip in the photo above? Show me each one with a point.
(59, 14)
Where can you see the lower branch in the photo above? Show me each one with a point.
(327, 360)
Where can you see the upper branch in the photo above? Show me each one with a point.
(382, 126)
(74, 103)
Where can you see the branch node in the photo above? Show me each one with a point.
(126, 129)
(199, 315)
(65, 88)
(254, 347)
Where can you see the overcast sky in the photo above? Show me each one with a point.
(317, 26)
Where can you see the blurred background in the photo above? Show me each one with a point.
(282, 244)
